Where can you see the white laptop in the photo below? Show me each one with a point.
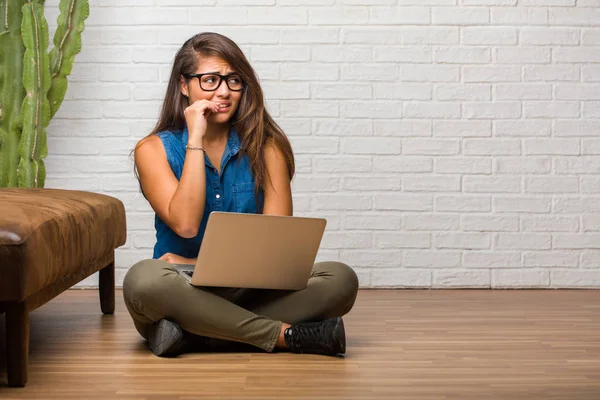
(256, 251)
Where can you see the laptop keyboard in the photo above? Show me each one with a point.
(188, 273)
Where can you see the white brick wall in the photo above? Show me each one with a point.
(450, 143)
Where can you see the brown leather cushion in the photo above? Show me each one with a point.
(48, 234)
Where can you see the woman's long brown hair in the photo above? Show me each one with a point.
(251, 120)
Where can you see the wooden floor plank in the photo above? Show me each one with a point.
(421, 344)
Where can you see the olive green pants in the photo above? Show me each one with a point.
(154, 290)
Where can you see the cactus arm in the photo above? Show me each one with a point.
(36, 109)
(67, 44)
(11, 89)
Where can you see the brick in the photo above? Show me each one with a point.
(519, 16)
(371, 145)
(591, 109)
(402, 91)
(429, 73)
(342, 202)
(403, 202)
(590, 259)
(431, 184)
(521, 165)
(345, 240)
(576, 241)
(577, 165)
(401, 278)
(372, 259)
(340, 91)
(549, 36)
(308, 184)
(341, 127)
(576, 128)
(586, 54)
(336, 54)
(526, 241)
(405, 128)
(493, 184)
(309, 72)
(462, 128)
(497, 147)
(489, 223)
(551, 73)
(430, 35)
(305, 145)
(460, 16)
(411, 240)
(489, 110)
(571, 205)
(491, 74)
(428, 222)
(338, 15)
(520, 278)
(309, 108)
(550, 259)
(522, 55)
(467, 165)
(522, 204)
(286, 90)
(445, 110)
(489, 36)
(522, 128)
(432, 147)
(591, 223)
(408, 54)
(458, 278)
(551, 109)
(295, 126)
(369, 72)
(549, 223)
(494, 259)
(590, 184)
(463, 203)
(581, 279)
(372, 36)
(400, 15)
(402, 164)
(312, 35)
(281, 53)
(551, 147)
(575, 16)
(372, 222)
(570, 91)
(458, 240)
(371, 109)
(472, 92)
(342, 164)
(431, 259)
(552, 184)
(271, 16)
(523, 91)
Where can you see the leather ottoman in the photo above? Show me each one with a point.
(51, 239)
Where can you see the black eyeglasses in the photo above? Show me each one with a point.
(211, 81)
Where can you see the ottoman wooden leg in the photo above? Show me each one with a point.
(107, 288)
(17, 344)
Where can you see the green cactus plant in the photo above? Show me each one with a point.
(33, 83)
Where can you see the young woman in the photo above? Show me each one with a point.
(216, 148)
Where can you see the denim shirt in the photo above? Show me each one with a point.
(232, 190)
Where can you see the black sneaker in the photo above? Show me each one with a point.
(166, 338)
(326, 337)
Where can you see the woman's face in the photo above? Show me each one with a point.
(203, 88)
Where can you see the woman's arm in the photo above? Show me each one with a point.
(278, 191)
(180, 204)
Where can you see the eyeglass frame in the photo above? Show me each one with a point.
(221, 78)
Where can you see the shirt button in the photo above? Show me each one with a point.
(218, 196)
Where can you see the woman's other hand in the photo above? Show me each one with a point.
(175, 259)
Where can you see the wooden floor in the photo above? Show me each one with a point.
(404, 344)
